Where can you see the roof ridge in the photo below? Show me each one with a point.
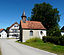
(33, 21)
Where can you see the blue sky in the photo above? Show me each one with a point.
(11, 10)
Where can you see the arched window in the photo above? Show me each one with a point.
(31, 33)
(41, 32)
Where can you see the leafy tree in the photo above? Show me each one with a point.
(29, 18)
(55, 31)
(47, 15)
(7, 31)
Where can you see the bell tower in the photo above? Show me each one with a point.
(23, 17)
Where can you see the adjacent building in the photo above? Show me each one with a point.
(31, 29)
(14, 31)
(3, 33)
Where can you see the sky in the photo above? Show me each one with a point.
(11, 10)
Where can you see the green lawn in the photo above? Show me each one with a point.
(11, 38)
(46, 46)
(0, 52)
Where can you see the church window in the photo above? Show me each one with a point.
(31, 33)
(41, 32)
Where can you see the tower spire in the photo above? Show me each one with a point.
(23, 17)
(23, 13)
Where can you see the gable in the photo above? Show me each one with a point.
(3, 31)
(13, 25)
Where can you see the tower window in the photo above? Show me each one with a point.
(24, 21)
(31, 33)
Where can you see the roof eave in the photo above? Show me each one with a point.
(33, 29)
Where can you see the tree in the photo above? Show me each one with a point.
(55, 31)
(7, 31)
(46, 14)
(29, 18)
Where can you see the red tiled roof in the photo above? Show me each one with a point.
(1, 30)
(12, 25)
(32, 25)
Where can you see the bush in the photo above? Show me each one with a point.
(62, 40)
(54, 39)
(34, 40)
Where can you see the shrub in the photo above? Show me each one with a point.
(62, 40)
(34, 40)
(54, 39)
(54, 31)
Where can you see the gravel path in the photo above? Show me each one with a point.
(10, 47)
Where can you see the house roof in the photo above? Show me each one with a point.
(1, 30)
(32, 25)
(12, 25)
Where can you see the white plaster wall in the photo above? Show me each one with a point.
(36, 33)
(14, 27)
(10, 35)
(43, 33)
(62, 33)
(3, 34)
(11, 31)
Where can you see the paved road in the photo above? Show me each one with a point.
(10, 47)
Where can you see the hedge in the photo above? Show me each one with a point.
(54, 39)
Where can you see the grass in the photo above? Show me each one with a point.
(45, 46)
(11, 38)
(0, 51)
